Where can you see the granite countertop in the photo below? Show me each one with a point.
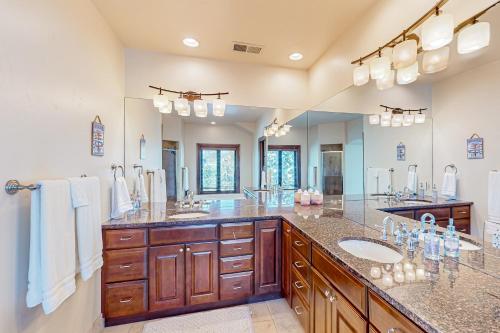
(453, 297)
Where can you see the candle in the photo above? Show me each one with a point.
(375, 272)
(398, 267)
(408, 266)
(410, 276)
(305, 199)
(420, 273)
(399, 277)
(387, 280)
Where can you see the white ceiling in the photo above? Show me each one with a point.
(280, 26)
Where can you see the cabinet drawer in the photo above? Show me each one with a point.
(234, 286)
(125, 265)
(301, 244)
(124, 238)
(188, 234)
(125, 299)
(300, 285)
(300, 309)
(348, 285)
(301, 265)
(238, 247)
(462, 225)
(462, 212)
(236, 230)
(439, 213)
(236, 264)
(387, 319)
(405, 213)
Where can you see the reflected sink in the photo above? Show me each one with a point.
(415, 202)
(367, 248)
(464, 245)
(192, 215)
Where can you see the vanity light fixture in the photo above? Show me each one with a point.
(191, 42)
(296, 56)
(200, 108)
(408, 119)
(160, 100)
(397, 117)
(374, 119)
(182, 107)
(437, 31)
(166, 108)
(218, 107)
(387, 81)
(420, 118)
(277, 130)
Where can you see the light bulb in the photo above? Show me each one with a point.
(287, 127)
(160, 100)
(182, 107)
(437, 32)
(379, 66)
(166, 108)
(436, 60)
(387, 81)
(200, 108)
(473, 38)
(408, 119)
(419, 118)
(361, 75)
(404, 54)
(397, 118)
(374, 119)
(408, 74)
(219, 107)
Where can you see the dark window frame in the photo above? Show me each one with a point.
(218, 147)
(296, 149)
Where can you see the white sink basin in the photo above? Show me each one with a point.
(367, 249)
(188, 215)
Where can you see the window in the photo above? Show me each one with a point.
(218, 168)
(283, 164)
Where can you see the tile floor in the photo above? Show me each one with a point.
(267, 317)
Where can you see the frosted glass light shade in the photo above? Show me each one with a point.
(408, 74)
(419, 118)
(374, 119)
(437, 32)
(385, 123)
(379, 66)
(166, 108)
(200, 108)
(408, 119)
(404, 54)
(361, 75)
(387, 81)
(395, 123)
(287, 127)
(397, 118)
(182, 107)
(473, 38)
(386, 115)
(436, 60)
(160, 100)
(219, 107)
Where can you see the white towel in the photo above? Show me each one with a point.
(494, 197)
(378, 180)
(88, 225)
(412, 181)
(158, 186)
(140, 188)
(185, 179)
(449, 187)
(384, 180)
(52, 262)
(263, 180)
(120, 198)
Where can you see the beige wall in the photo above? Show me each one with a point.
(248, 84)
(60, 66)
(462, 105)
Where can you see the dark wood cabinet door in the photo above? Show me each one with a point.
(267, 256)
(166, 277)
(321, 306)
(345, 318)
(202, 273)
(286, 282)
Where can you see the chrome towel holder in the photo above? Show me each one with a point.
(13, 186)
(115, 167)
(412, 166)
(451, 166)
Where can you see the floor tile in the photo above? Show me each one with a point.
(279, 307)
(137, 327)
(118, 329)
(287, 323)
(260, 312)
(264, 327)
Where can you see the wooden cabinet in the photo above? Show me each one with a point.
(202, 273)
(286, 250)
(301, 309)
(331, 312)
(267, 256)
(125, 299)
(166, 277)
(410, 214)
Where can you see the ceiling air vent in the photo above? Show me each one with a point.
(246, 48)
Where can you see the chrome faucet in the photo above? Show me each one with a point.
(423, 219)
(401, 233)
(388, 219)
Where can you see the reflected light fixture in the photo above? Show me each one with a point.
(374, 119)
(420, 118)
(160, 100)
(385, 123)
(361, 74)
(296, 56)
(397, 117)
(200, 108)
(473, 38)
(190, 42)
(182, 107)
(167, 108)
(408, 74)
(387, 81)
(408, 119)
(379, 66)
(405, 53)
(218, 107)
(436, 60)
(437, 31)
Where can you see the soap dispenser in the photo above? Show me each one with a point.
(434, 193)
(451, 241)
(421, 192)
(431, 243)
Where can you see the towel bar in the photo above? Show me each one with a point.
(138, 166)
(451, 166)
(13, 186)
(412, 165)
(115, 167)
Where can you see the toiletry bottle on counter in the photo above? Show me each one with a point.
(316, 198)
(451, 241)
(305, 198)
(421, 191)
(431, 243)
(297, 196)
(434, 193)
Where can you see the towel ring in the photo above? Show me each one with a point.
(138, 166)
(150, 172)
(412, 165)
(115, 167)
(451, 166)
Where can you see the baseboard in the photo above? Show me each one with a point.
(98, 325)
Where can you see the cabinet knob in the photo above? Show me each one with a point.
(181, 250)
(124, 266)
(327, 293)
(393, 330)
(126, 238)
(126, 300)
(188, 249)
(237, 249)
(298, 243)
(298, 264)
(298, 284)
(234, 235)
(237, 265)
(332, 298)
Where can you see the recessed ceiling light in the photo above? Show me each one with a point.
(191, 42)
(212, 123)
(296, 56)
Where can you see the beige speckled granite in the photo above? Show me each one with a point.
(453, 298)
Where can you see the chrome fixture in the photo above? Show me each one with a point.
(423, 219)
(387, 220)
(115, 167)
(13, 186)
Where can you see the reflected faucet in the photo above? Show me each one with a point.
(388, 219)
(423, 219)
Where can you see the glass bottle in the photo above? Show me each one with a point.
(451, 241)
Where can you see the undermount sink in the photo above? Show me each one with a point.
(192, 215)
(367, 248)
(416, 201)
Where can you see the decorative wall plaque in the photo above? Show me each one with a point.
(401, 152)
(97, 145)
(475, 147)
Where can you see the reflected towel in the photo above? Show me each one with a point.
(158, 186)
(120, 198)
(140, 188)
(412, 181)
(52, 259)
(449, 187)
(88, 226)
(185, 179)
(378, 180)
(494, 197)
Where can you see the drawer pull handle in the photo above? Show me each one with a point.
(126, 300)
(234, 235)
(327, 293)
(237, 265)
(296, 309)
(124, 266)
(298, 243)
(181, 250)
(298, 284)
(288, 231)
(126, 238)
(462, 230)
(188, 249)
(238, 249)
(298, 264)
(393, 330)
(237, 287)
(462, 212)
